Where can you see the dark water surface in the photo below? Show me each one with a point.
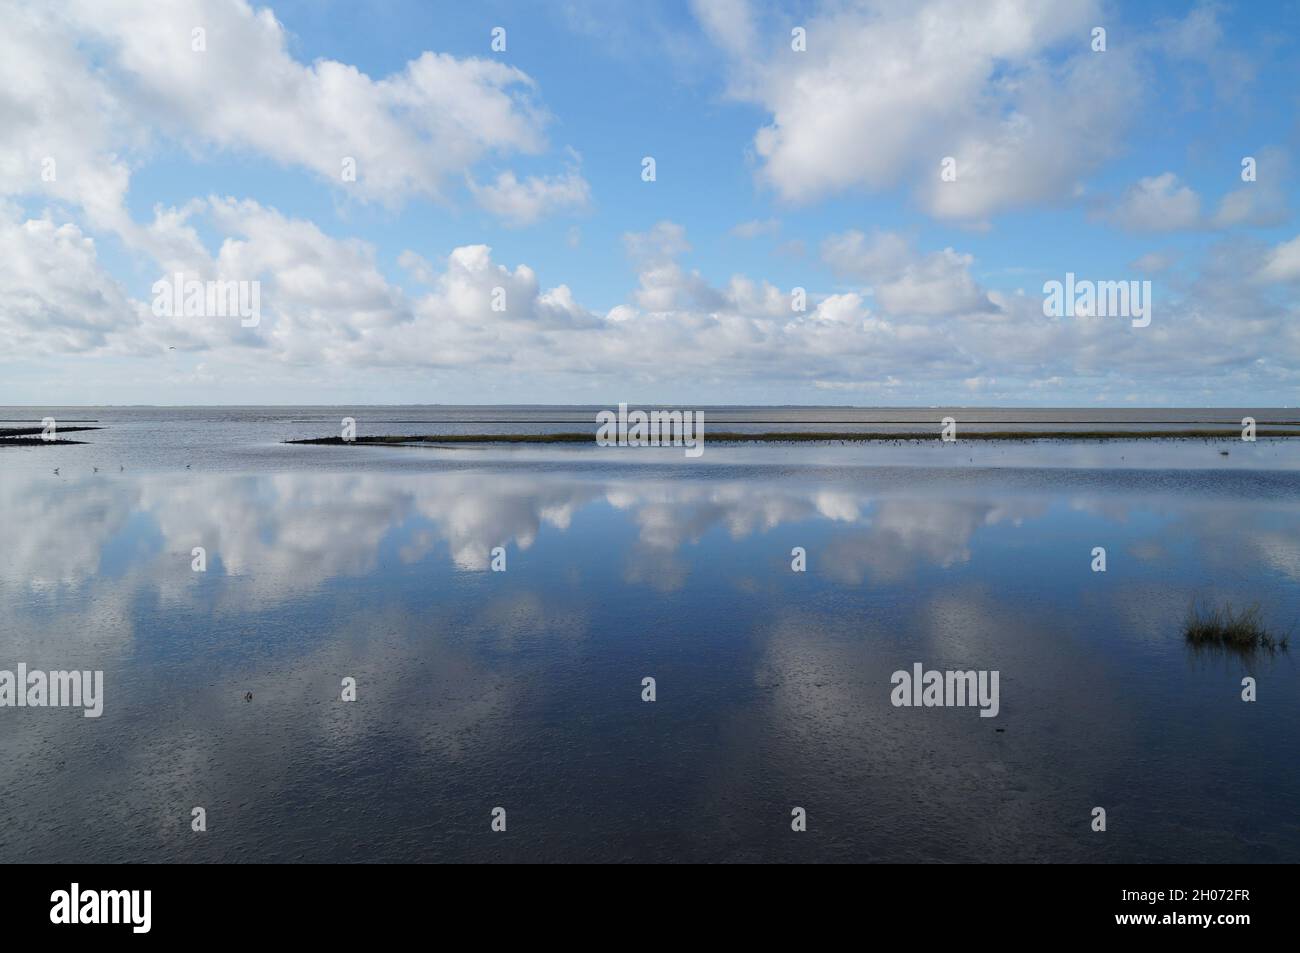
(522, 688)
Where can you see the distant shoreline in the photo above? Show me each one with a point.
(796, 436)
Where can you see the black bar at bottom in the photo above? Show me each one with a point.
(254, 903)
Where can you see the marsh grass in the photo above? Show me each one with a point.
(29, 436)
(1223, 627)
(10, 432)
(35, 442)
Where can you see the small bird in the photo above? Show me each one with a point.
(248, 696)
(187, 466)
(121, 469)
(56, 471)
(96, 469)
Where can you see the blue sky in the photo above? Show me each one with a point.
(776, 169)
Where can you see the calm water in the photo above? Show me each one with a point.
(522, 688)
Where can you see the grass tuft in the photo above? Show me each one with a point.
(1238, 630)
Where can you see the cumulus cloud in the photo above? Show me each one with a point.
(523, 203)
(1163, 203)
(885, 90)
(1009, 90)
(1262, 203)
(905, 281)
(663, 242)
(244, 90)
(1153, 262)
(664, 284)
(922, 322)
(93, 80)
(756, 228)
(64, 127)
(55, 296)
(1159, 203)
(1282, 262)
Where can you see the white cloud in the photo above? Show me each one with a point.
(1162, 203)
(924, 323)
(52, 107)
(523, 203)
(55, 297)
(1262, 203)
(1153, 262)
(1054, 127)
(886, 90)
(729, 23)
(1282, 262)
(94, 83)
(756, 228)
(1159, 203)
(905, 281)
(663, 242)
(328, 306)
(407, 132)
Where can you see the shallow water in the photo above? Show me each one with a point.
(522, 688)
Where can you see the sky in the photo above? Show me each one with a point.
(851, 202)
